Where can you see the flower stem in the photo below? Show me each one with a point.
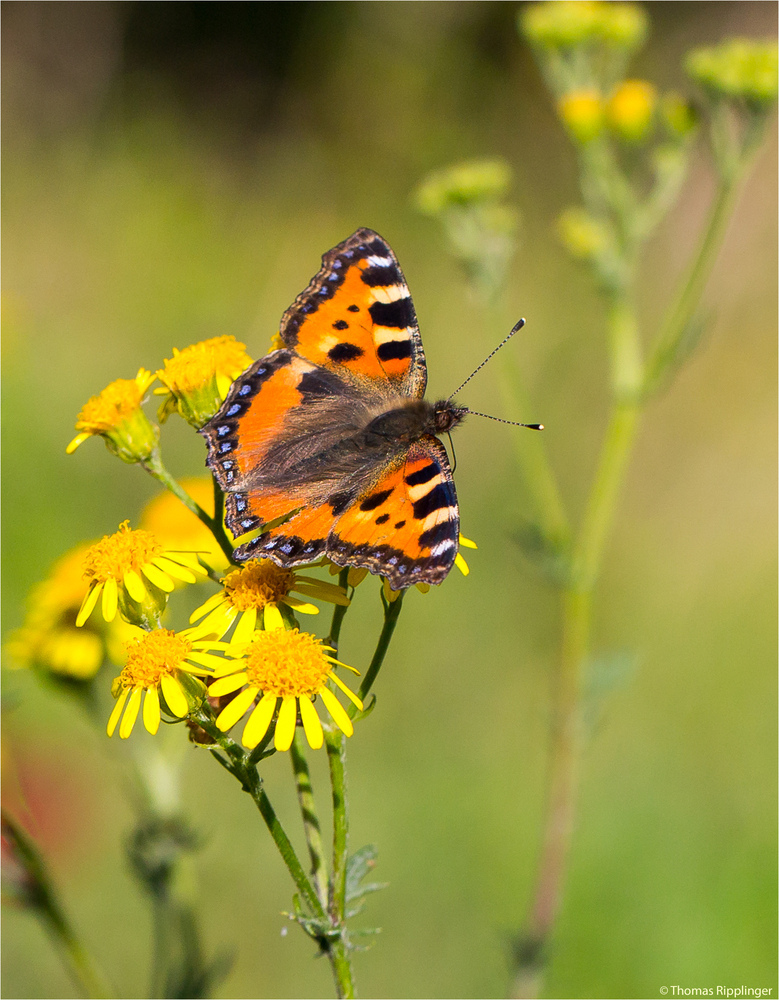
(339, 952)
(392, 611)
(310, 818)
(567, 724)
(677, 321)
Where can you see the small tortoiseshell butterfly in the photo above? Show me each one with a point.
(332, 432)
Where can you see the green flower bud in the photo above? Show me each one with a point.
(678, 115)
(462, 185)
(569, 23)
(739, 68)
(583, 236)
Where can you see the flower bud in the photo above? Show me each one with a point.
(582, 112)
(631, 110)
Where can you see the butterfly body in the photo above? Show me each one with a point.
(328, 445)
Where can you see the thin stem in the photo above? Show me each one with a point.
(392, 611)
(339, 610)
(310, 818)
(157, 470)
(239, 765)
(679, 316)
(339, 955)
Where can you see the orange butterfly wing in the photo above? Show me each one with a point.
(287, 439)
(405, 526)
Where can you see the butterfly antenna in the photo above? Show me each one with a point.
(517, 326)
(500, 420)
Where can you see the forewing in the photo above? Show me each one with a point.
(356, 316)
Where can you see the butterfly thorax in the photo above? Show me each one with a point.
(413, 419)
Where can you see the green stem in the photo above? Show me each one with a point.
(567, 726)
(157, 470)
(339, 953)
(310, 818)
(392, 611)
(678, 318)
(339, 610)
(242, 768)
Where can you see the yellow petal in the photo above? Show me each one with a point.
(286, 722)
(173, 569)
(117, 712)
(134, 586)
(213, 602)
(217, 622)
(356, 575)
(110, 595)
(151, 710)
(311, 724)
(466, 543)
(174, 696)
(128, 720)
(336, 709)
(301, 606)
(79, 439)
(156, 576)
(226, 685)
(244, 630)
(238, 707)
(187, 559)
(259, 720)
(349, 694)
(461, 564)
(272, 618)
(88, 604)
(207, 660)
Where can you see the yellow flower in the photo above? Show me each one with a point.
(198, 378)
(251, 596)
(116, 415)
(49, 640)
(631, 109)
(160, 662)
(292, 666)
(115, 568)
(582, 112)
(178, 528)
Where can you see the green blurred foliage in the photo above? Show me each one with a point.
(174, 172)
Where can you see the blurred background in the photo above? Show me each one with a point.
(174, 171)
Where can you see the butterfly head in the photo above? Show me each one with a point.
(447, 415)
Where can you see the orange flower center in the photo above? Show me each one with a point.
(256, 584)
(152, 655)
(115, 554)
(287, 663)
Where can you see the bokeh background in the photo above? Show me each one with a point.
(173, 171)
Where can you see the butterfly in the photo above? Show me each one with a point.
(327, 445)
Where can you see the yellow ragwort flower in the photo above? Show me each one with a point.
(197, 379)
(116, 416)
(115, 567)
(178, 528)
(251, 596)
(49, 640)
(158, 662)
(582, 112)
(572, 23)
(631, 109)
(290, 665)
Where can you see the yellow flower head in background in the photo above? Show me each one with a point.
(49, 639)
(198, 378)
(583, 113)
(160, 662)
(177, 527)
(116, 416)
(739, 68)
(251, 596)
(289, 665)
(121, 566)
(631, 109)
